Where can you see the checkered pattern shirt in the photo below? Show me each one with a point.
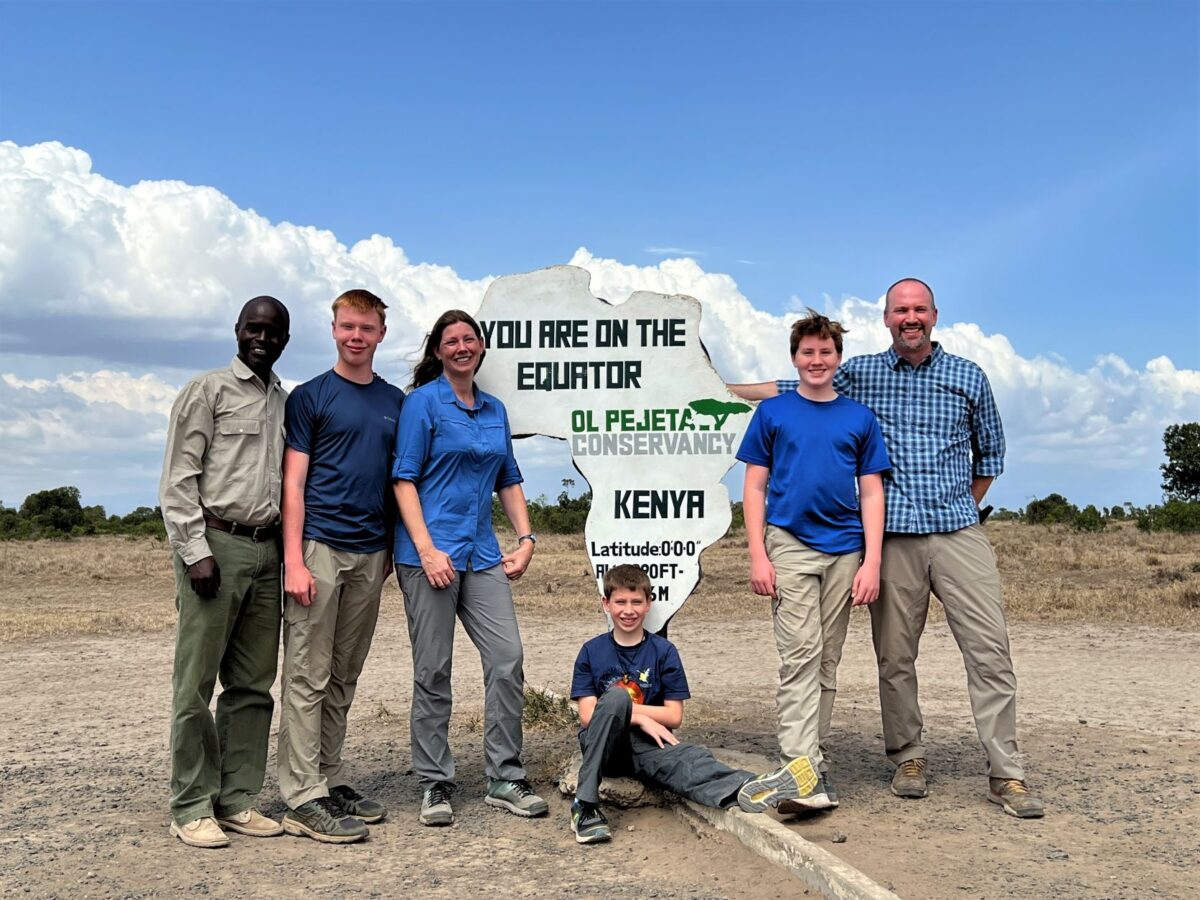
(941, 427)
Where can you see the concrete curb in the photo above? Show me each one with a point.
(817, 868)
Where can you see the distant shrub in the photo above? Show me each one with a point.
(1089, 519)
(1053, 509)
(1180, 516)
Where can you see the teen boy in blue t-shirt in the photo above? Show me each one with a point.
(814, 546)
(630, 687)
(337, 517)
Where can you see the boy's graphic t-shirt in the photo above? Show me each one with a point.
(650, 672)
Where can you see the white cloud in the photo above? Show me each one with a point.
(149, 278)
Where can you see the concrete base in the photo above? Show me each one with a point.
(816, 867)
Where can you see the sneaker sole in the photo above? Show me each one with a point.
(530, 813)
(796, 782)
(192, 842)
(811, 803)
(436, 820)
(592, 838)
(230, 825)
(911, 793)
(299, 829)
(1029, 814)
(366, 820)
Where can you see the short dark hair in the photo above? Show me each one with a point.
(816, 325)
(630, 577)
(269, 301)
(888, 293)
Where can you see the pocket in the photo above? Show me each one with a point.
(232, 427)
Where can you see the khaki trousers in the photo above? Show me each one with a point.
(960, 568)
(325, 646)
(811, 613)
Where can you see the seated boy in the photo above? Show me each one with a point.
(630, 686)
(811, 549)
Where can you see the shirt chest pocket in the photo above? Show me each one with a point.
(234, 428)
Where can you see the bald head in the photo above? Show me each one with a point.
(908, 284)
(253, 304)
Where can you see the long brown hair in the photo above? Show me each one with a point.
(430, 367)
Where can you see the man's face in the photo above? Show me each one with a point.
(262, 333)
(628, 609)
(356, 335)
(909, 315)
(816, 360)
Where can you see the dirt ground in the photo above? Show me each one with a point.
(1109, 723)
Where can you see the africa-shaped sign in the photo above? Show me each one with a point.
(648, 421)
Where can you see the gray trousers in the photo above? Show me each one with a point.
(482, 601)
(960, 568)
(611, 746)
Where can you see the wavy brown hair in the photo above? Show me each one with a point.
(430, 367)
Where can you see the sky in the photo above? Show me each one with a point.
(1037, 163)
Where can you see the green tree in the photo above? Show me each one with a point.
(1053, 509)
(1089, 519)
(55, 510)
(1181, 471)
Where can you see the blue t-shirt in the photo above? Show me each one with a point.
(815, 453)
(651, 671)
(348, 431)
(457, 456)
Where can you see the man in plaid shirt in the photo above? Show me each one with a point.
(946, 443)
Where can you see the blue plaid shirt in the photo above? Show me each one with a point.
(941, 427)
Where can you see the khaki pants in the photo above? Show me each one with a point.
(811, 613)
(325, 646)
(960, 568)
(217, 765)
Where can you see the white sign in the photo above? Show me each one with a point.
(648, 421)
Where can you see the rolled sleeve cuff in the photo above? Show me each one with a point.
(988, 468)
(194, 551)
(402, 470)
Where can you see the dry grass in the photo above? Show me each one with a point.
(111, 585)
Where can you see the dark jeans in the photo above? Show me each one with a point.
(612, 747)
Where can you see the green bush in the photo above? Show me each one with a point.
(1089, 519)
(1179, 516)
(1053, 509)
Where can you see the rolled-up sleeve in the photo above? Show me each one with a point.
(189, 434)
(509, 472)
(414, 435)
(987, 433)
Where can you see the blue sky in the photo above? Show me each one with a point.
(1036, 162)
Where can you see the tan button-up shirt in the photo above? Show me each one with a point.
(224, 454)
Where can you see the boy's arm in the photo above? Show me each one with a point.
(865, 588)
(754, 510)
(657, 721)
(763, 390)
(297, 580)
(587, 706)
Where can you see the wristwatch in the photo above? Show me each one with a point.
(532, 538)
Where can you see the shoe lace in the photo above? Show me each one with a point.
(439, 794)
(912, 768)
(329, 806)
(1013, 786)
(522, 788)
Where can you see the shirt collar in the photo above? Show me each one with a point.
(245, 373)
(446, 394)
(894, 359)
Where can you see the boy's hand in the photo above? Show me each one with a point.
(299, 584)
(762, 577)
(865, 588)
(655, 731)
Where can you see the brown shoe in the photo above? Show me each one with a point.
(1016, 798)
(909, 780)
(251, 822)
(203, 832)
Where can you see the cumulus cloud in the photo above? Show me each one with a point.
(146, 281)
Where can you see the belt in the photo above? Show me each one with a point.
(258, 533)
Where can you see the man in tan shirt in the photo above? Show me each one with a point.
(220, 494)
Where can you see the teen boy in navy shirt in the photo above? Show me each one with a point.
(630, 686)
(811, 548)
(337, 514)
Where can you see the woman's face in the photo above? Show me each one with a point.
(459, 350)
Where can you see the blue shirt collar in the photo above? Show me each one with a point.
(446, 395)
(894, 359)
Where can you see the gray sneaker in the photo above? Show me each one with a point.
(796, 785)
(517, 797)
(435, 805)
(323, 820)
(909, 779)
(830, 790)
(355, 804)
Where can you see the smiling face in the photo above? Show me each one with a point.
(910, 315)
(628, 608)
(816, 360)
(357, 334)
(460, 350)
(262, 333)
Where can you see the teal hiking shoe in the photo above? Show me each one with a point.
(517, 797)
(323, 820)
(355, 804)
(589, 824)
(435, 805)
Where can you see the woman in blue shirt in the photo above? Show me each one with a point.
(453, 450)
